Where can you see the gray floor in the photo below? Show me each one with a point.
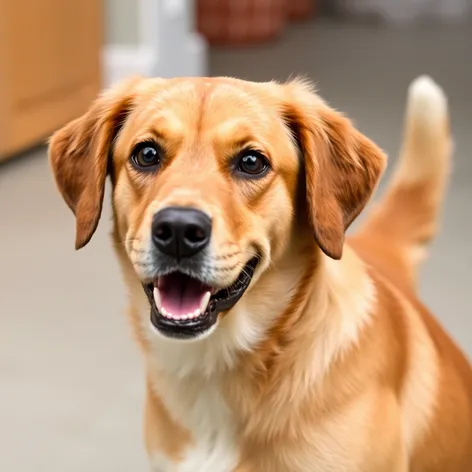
(70, 376)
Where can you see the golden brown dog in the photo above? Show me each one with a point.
(271, 345)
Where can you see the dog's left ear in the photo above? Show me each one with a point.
(342, 166)
(79, 153)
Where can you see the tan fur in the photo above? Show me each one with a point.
(329, 362)
(409, 212)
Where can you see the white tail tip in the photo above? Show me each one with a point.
(427, 98)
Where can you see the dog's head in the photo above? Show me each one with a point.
(214, 180)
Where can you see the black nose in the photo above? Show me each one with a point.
(181, 232)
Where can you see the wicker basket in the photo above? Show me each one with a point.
(300, 9)
(240, 21)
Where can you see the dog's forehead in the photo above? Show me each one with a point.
(210, 103)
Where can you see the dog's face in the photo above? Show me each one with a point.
(213, 181)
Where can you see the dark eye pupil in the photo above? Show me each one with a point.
(252, 164)
(147, 156)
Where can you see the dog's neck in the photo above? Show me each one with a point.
(323, 320)
(323, 316)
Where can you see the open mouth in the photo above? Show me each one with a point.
(184, 307)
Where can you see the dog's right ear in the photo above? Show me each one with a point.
(79, 153)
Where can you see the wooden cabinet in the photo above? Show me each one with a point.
(50, 67)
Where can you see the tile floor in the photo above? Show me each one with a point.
(70, 377)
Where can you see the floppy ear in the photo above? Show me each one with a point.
(79, 153)
(342, 166)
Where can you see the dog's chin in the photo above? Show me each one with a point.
(186, 308)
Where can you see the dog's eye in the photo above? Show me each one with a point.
(146, 156)
(252, 163)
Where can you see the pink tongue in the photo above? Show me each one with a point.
(180, 295)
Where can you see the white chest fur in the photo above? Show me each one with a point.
(198, 405)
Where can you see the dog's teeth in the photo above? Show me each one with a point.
(196, 313)
(204, 303)
(185, 317)
(157, 298)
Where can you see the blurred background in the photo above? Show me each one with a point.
(71, 380)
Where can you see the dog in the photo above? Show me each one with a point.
(272, 342)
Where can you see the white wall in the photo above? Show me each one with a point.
(121, 22)
(152, 38)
